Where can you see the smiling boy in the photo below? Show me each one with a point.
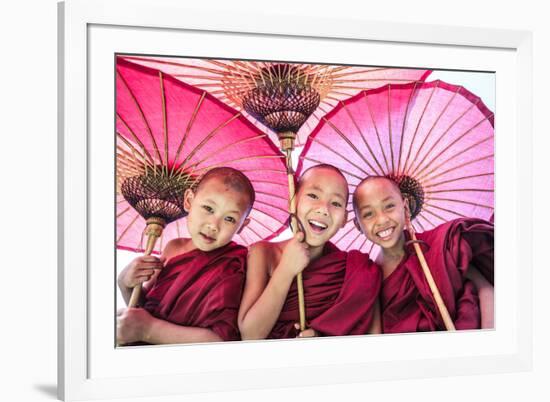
(455, 251)
(340, 288)
(192, 293)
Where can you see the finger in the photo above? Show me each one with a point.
(150, 258)
(296, 325)
(300, 236)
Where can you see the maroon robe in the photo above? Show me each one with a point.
(340, 289)
(407, 303)
(201, 289)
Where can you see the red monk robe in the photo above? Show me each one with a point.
(407, 304)
(340, 289)
(201, 289)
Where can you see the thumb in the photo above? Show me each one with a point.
(300, 236)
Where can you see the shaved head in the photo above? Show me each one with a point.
(326, 166)
(232, 178)
(368, 179)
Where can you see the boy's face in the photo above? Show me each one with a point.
(216, 213)
(380, 212)
(321, 205)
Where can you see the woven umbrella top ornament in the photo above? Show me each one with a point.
(287, 98)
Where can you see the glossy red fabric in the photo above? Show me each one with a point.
(406, 301)
(201, 289)
(340, 289)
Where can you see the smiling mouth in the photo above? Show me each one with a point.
(386, 233)
(316, 226)
(207, 239)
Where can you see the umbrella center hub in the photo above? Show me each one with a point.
(412, 190)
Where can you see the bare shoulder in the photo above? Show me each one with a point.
(265, 255)
(175, 247)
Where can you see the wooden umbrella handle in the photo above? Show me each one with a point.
(153, 232)
(433, 287)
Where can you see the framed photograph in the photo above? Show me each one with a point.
(104, 51)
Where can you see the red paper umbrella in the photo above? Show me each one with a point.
(169, 134)
(284, 97)
(435, 139)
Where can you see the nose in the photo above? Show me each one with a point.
(381, 219)
(213, 224)
(322, 209)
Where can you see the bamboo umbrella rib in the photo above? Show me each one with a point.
(426, 210)
(405, 171)
(354, 240)
(132, 148)
(248, 227)
(371, 247)
(271, 195)
(417, 222)
(441, 113)
(263, 170)
(345, 234)
(339, 154)
(389, 128)
(377, 133)
(363, 244)
(202, 68)
(178, 228)
(483, 190)
(403, 128)
(128, 227)
(259, 222)
(140, 244)
(164, 120)
(140, 110)
(137, 140)
(462, 202)
(226, 147)
(210, 135)
(189, 126)
(464, 134)
(422, 216)
(126, 159)
(429, 178)
(348, 141)
(444, 209)
(345, 107)
(123, 212)
(458, 178)
(270, 205)
(224, 163)
(127, 171)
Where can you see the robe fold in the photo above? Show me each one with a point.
(201, 289)
(340, 290)
(407, 304)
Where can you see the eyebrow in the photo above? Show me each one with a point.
(384, 200)
(314, 187)
(213, 202)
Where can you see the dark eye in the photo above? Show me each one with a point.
(367, 214)
(208, 208)
(390, 206)
(313, 196)
(337, 204)
(230, 219)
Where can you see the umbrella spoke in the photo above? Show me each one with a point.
(246, 158)
(450, 146)
(135, 151)
(128, 227)
(124, 211)
(405, 170)
(403, 128)
(164, 119)
(483, 190)
(142, 115)
(339, 154)
(441, 113)
(445, 209)
(371, 247)
(362, 244)
(188, 129)
(462, 202)
(178, 228)
(377, 133)
(345, 234)
(171, 63)
(260, 223)
(137, 140)
(459, 178)
(389, 128)
(271, 195)
(423, 216)
(427, 178)
(364, 141)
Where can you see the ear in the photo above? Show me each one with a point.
(188, 199)
(345, 219)
(245, 222)
(407, 211)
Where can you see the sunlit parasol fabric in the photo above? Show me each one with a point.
(169, 134)
(435, 139)
(279, 95)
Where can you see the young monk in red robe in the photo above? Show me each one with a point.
(340, 288)
(456, 253)
(192, 293)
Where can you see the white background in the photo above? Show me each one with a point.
(28, 201)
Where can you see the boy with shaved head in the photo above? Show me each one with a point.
(455, 251)
(192, 293)
(340, 288)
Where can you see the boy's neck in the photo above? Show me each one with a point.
(316, 252)
(390, 258)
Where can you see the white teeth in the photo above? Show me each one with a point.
(385, 233)
(317, 223)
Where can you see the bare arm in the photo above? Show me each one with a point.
(264, 297)
(486, 297)
(136, 324)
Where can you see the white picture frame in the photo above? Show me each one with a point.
(90, 367)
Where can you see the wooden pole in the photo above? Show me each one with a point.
(287, 145)
(153, 231)
(433, 287)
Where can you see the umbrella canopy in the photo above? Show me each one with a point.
(436, 140)
(169, 134)
(278, 95)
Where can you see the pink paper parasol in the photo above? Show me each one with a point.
(169, 134)
(435, 139)
(284, 97)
